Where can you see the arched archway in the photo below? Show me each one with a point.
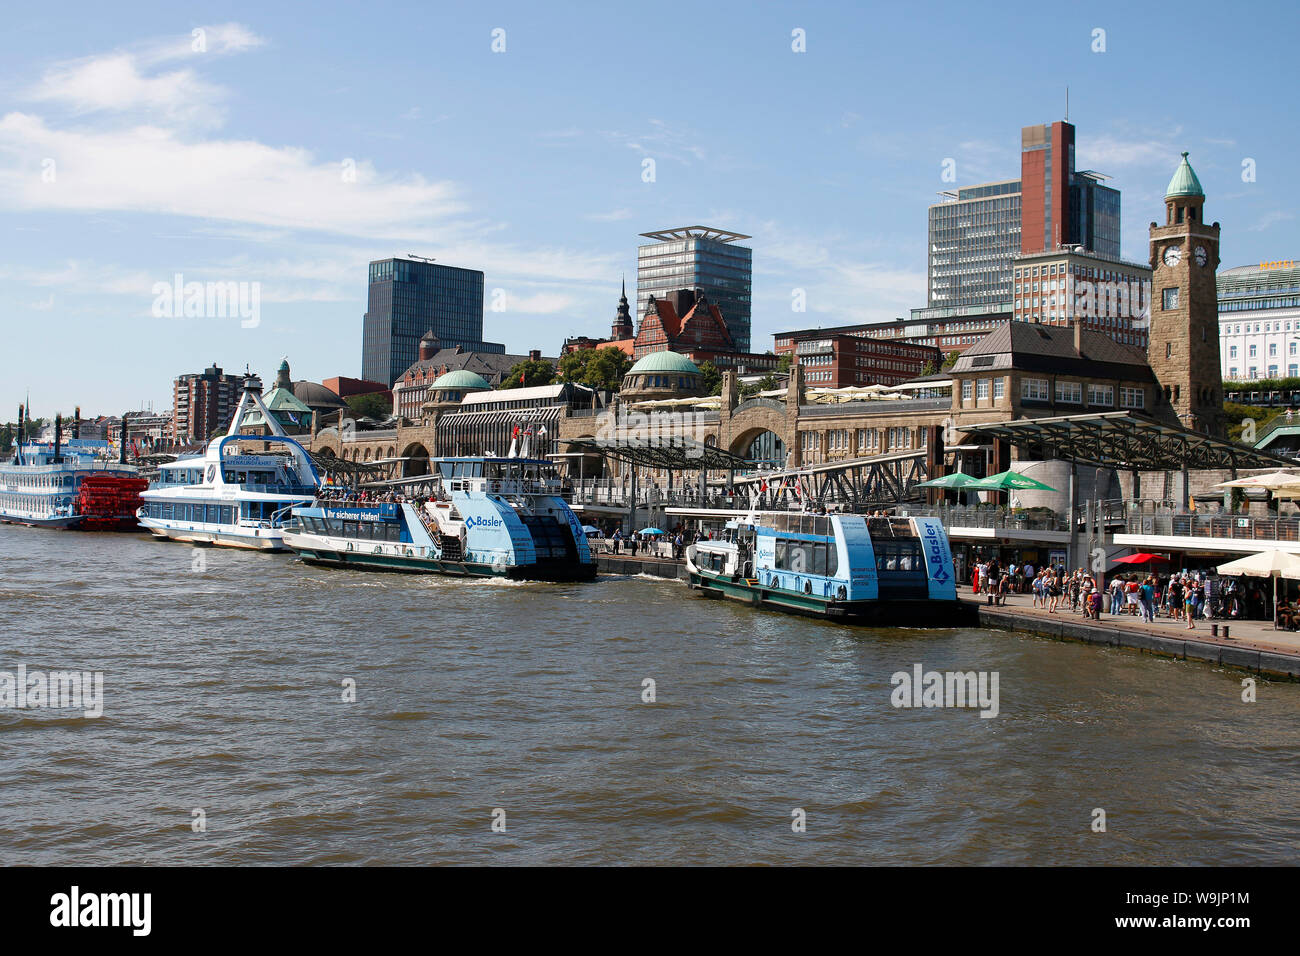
(417, 460)
(762, 446)
(590, 465)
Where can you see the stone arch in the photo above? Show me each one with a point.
(366, 457)
(759, 443)
(417, 460)
(591, 465)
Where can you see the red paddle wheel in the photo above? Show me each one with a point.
(108, 502)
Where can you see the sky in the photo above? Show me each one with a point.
(284, 148)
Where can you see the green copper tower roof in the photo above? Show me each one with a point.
(1184, 182)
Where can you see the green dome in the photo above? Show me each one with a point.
(461, 378)
(1184, 182)
(665, 362)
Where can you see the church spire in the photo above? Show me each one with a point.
(622, 327)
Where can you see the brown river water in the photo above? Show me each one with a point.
(224, 687)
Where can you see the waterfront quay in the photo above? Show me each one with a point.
(1252, 645)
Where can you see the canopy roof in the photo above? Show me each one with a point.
(675, 452)
(1126, 440)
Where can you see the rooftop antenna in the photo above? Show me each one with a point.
(412, 255)
(1067, 104)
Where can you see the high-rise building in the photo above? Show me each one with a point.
(1184, 340)
(977, 230)
(1061, 206)
(203, 402)
(974, 233)
(409, 297)
(699, 258)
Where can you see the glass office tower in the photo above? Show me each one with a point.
(411, 297)
(699, 257)
(1094, 214)
(973, 237)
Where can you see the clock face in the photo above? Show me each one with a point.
(1173, 256)
(1202, 257)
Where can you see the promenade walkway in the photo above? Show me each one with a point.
(1254, 645)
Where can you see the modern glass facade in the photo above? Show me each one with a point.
(698, 260)
(408, 298)
(1094, 216)
(973, 238)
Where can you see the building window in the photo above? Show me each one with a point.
(966, 390)
(982, 389)
(1071, 392)
(1133, 397)
(1101, 395)
(999, 388)
(1170, 298)
(1254, 351)
(1272, 350)
(1033, 390)
(1232, 351)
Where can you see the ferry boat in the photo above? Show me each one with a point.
(226, 498)
(482, 517)
(67, 484)
(844, 567)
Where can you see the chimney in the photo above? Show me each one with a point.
(58, 437)
(121, 441)
(18, 444)
(534, 355)
(1078, 337)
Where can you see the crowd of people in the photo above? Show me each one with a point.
(1185, 596)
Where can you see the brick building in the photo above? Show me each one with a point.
(203, 402)
(849, 355)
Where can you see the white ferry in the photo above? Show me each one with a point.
(849, 567)
(45, 484)
(479, 517)
(226, 498)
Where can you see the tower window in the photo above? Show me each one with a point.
(1169, 298)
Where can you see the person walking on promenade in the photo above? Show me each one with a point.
(1190, 602)
(1116, 594)
(1147, 599)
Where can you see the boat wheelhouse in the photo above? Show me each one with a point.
(228, 496)
(45, 485)
(473, 517)
(888, 570)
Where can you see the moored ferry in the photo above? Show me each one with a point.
(845, 567)
(225, 497)
(481, 517)
(67, 484)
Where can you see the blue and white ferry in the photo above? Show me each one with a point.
(41, 484)
(476, 517)
(847, 567)
(223, 497)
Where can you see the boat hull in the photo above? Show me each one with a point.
(922, 612)
(218, 537)
(62, 522)
(358, 560)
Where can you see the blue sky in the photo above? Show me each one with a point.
(127, 156)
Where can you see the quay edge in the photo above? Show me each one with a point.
(1271, 662)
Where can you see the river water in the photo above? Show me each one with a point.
(226, 737)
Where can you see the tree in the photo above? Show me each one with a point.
(6, 438)
(764, 384)
(710, 379)
(529, 374)
(374, 405)
(929, 368)
(784, 362)
(596, 368)
(950, 360)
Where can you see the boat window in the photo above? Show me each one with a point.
(349, 529)
(782, 553)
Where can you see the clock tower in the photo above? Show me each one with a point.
(1183, 345)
